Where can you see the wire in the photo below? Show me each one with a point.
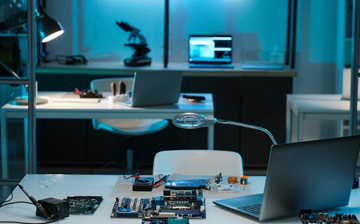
(136, 175)
(161, 181)
(25, 202)
(11, 195)
(55, 220)
(7, 202)
(15, 202)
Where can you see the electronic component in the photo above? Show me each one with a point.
(88, 93)
(187, 184)
(244, 180)
(83, 204)
(306, 216)
(165, 221)
(193, 98)
(232, 180)
(143, 184)
(40, 211)
(224, 187)
(173, 204)
(56, 208)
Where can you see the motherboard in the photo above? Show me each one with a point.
(83, 204)
(165, 221)
(173, 204)
(188, 184)
(307, 216)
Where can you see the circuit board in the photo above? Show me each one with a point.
(173, 204)
(165, 221)
(83, 204)
(187, 184)
(307, 216)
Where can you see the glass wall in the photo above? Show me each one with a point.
(258, 27)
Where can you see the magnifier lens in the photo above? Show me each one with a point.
(189, 121)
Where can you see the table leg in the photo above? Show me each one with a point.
(300, 121)
(288, 122)
(26, 144)
(4, 149)
(211, 137)
(129, 159)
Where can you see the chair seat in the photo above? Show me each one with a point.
(198, 162)
(130, 127)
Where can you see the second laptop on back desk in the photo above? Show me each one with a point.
(154, 88)
(210, 51)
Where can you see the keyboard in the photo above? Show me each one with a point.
(253, 209)
(193, 65)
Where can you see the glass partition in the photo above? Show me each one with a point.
(13, 43)
(13, 66)
(258, 27)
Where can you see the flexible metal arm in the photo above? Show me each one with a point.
(249, 126)
(195, 120)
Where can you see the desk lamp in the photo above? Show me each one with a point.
(194, 120)
(48, 29)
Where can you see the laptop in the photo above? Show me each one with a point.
(315, 175)
(210, 51)
(155, 88)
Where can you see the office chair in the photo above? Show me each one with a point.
(198, 162)
(125, 127)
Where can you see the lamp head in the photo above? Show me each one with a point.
(193, 120)
(48, 27)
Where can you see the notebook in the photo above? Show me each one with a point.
(315, 175)
(210, 51)
(155, 88)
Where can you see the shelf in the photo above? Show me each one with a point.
(118, 68)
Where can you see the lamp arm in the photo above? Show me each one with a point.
(11, 28)
(249, 126)
(9, 70)
(20, 25)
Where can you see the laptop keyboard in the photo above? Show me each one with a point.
(192, 65)
(253, 209)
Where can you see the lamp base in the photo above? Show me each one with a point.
(24, 101)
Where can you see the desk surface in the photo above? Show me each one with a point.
(111, 186)
(110, 110)
(118, 68)
(319, 103)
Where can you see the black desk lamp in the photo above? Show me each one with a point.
(194, 120)
(48, 29)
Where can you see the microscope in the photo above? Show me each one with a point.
(140, 57)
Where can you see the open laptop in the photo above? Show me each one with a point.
(210, 51)
(155, 88)
(315, 175)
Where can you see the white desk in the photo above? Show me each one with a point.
(112, 186)
(103, 109)
(315, 107)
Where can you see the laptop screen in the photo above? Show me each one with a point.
(210, 49)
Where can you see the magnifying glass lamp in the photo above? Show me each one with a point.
(194, 120)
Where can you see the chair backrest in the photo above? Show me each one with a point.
(198, 162)
(103, 85)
